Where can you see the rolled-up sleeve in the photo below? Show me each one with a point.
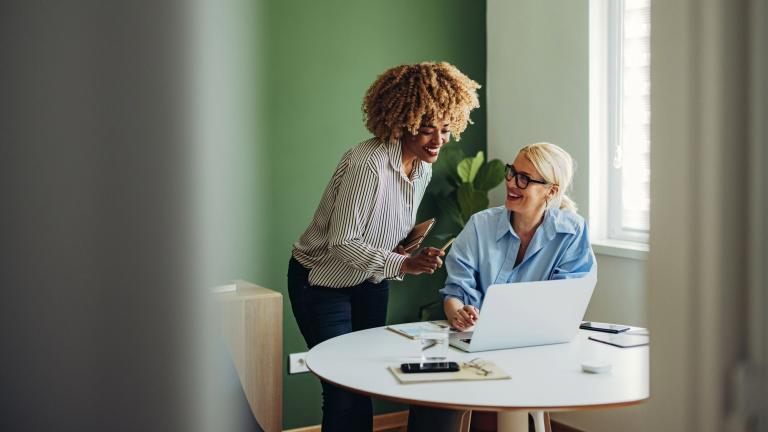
(578, 259)
(354, 203)
(461, 264)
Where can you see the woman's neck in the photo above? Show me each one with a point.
(409, 162)
(525, 224)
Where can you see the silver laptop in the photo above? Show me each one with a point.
(528, 313)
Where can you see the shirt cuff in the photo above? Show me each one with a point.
(392, 265)
(452, 292)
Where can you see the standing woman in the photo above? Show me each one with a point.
(337, 275)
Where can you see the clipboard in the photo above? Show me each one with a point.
(415, 329)
(622, 340)
(417, 235)
(490, 372)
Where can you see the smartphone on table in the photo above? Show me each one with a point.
(604, 327)
(429, 367)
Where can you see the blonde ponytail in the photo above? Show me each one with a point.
(566, 203)
(556, 167)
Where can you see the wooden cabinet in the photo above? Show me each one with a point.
(251, 320)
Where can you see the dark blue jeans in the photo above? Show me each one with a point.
(323, 313)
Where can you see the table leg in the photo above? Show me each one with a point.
(512, 421)
(466, 421)
(538, 421)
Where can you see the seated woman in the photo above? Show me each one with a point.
(537, 235)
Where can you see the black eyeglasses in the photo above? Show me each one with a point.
(521, 180)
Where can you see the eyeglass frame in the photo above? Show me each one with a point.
(528, 180)
(479, 365)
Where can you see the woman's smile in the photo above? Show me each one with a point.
(432, 150)
(512, 195)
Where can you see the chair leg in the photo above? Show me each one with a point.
(547, 422)
(538, 421)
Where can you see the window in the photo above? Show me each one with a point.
(620, 119)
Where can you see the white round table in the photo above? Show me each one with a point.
(543, 378)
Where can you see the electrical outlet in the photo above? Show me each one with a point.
(297, 363)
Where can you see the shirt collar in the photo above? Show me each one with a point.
(395, 150)
(554, 222)
(503, 226)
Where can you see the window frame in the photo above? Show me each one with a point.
(605, 109)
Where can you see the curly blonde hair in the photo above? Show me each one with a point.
(407, 96)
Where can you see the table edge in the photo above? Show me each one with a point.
(483, 407)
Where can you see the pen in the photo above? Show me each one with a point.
(447, 244)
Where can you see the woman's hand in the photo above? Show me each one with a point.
(463, 317)
(427, 260)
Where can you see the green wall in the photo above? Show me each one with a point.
(318, 59)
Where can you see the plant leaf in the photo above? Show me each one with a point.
(468, 168)
(477, 162)
(490, 175)
(446, 164)
(450, 156)
(470, 201)
(463, 169)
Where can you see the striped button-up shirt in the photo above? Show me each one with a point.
(368, 207)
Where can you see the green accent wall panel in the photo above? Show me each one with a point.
(318, 59)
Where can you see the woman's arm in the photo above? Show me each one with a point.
(355, 199)
(462, 266)
(354, 203)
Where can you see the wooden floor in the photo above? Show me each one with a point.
(392, 422)
(398, 422)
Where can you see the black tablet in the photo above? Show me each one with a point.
(603, 327)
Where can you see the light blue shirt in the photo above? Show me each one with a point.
(484, 253)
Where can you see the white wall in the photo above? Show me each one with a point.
(538, 84)
(538, 90)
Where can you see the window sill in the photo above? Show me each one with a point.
(623, 249)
